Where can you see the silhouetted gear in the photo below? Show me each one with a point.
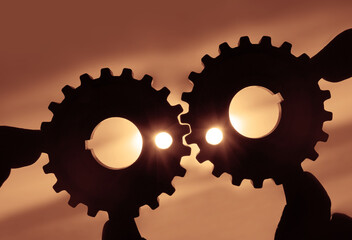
(302, 116)
(120, 192)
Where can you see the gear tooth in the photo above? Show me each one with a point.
(178, 109)
(224, 48)
(257, 183)
(216, 171)
(189, 139)
(193, 76)
(265, 41)
(105, 73)
(164, 92)
(54, 107)
(154, 204)
(85, 79)
(184, 129)
(181, 171)
(186, 96)
(323, 136)
(92, 212)
(328, 116)
(170, 190)
(286, 46)
(48, 168)
(58, 187)
(244, 42)
(147, 80)
(127, 73)
(186, 152)
(73, 202)
(304, 57)
(201, 156)
(277, 181)
(184, 118)
(206, 60)
(326, 94)
(67, 90)
(313, 155)
(45, 126)
(236, 180)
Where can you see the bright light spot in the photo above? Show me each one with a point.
(214, 136)
(116, 143)
(163, 140)
(255, 111)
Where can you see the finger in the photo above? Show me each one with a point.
(334, 62)
(19, 147)
(307, 212)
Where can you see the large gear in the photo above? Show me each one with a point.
(302, 116)
(123, 191)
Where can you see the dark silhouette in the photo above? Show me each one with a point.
(307, 214)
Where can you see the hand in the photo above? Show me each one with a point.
(18, 148)
(334, 62)
(307, 212)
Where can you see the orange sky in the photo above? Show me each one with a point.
(46, 45)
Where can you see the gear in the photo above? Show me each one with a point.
(302, 115)
(123, 191)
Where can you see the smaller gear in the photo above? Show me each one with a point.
(119, 192)
(302, 116)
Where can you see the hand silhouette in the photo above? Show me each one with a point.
(18, 148)
(307, 212)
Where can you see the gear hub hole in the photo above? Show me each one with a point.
(255, 111)
(115, 143)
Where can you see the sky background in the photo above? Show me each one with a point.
(45, 45)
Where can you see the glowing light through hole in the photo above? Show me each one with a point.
(115, 143)
(214, 136)
(255, 111)
(163, 140)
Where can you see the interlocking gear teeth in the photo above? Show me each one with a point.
(127, 73)
(92, 212)
(244, 42)
(184, 118)
(85, 79)
(265, 41)
(257, 183)
(68, 91)
(186, 96)
(178, 109)
(73, 202)
(81, 175)
(105, 73)
(286, 46)
(165, 92)
(207, 60)
(54, 107)
(224, 48)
